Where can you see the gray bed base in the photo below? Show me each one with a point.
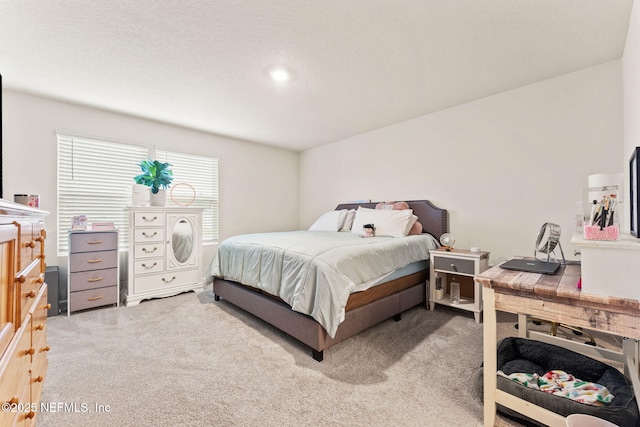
(306, 329)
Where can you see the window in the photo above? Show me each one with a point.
(95, 179)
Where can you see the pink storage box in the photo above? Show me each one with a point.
(593, 232)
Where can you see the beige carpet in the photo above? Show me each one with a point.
(190, 361)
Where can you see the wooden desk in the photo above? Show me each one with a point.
(555, 298)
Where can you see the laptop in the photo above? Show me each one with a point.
(531, 266)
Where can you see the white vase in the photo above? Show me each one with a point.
(159, 199)
(140, 195)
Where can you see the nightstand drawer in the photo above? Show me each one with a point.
(91, 242)
(454, 265)
(84, 280)
(94, 298)
(93, 261)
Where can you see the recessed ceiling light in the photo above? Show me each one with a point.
(279, 73)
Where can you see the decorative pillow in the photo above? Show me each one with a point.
(348, 220)
(416, 228)
(392, 205)
(387, 222)
(330, 221)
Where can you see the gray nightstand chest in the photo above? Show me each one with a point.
(93, 270)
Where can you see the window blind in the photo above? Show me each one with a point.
(201, 173)
(95, 179)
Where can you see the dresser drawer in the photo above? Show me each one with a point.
(150, 250)
(146, 266)
(39, 321)
(14, 365)
(93, 298)
(91, 242)
(148, 219)
(93, 260)
(454, 265)
(156, 282)
(145, 235)
(29, 283)
(82, 280)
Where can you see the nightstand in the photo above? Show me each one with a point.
(458, 266)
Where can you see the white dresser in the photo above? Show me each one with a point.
(93, 269)
(165, 252)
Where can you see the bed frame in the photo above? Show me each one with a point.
(364, 309)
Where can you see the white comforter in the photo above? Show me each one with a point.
(315, 271)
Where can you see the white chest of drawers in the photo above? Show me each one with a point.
(164, 252)
(93, 270)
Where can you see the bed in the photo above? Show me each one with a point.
(386, 298)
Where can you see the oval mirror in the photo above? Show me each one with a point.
(182, 241)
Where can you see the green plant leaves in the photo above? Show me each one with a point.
(154, 174)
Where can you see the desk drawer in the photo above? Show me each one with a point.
(83, 280)
(91, 242)
(454, 265)
(93, 260)
(93, 298)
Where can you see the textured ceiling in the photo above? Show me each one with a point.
(359, 64)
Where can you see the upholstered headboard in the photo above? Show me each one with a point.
(433, 219)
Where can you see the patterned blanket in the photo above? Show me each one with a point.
(560, 383)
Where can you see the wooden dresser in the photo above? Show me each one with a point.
(93, 269)
(23, 313)
(165, 253)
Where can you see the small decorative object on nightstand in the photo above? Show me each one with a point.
(455, 269)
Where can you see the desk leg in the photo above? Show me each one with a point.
(490, 351)
(522, 326)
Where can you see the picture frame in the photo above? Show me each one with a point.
(634, 185)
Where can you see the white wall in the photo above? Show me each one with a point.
(258, 184)
(502, 166)
(631, 79)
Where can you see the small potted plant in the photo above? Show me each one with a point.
(157, 176)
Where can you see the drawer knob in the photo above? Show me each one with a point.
(31, 294)
(30, 351)
(40, 327)
(31, 414)
(21, 279)
(38, 379)
(46, 307)
(147, 251)
(31, 244)
(149, 266)
(13, 401)
(45, 348)
(170, 280)
(40, 280)
(40, 239)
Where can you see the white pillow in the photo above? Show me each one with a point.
(387, 222)
(330, 221)
(348, 221)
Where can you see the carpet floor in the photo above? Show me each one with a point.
(191, 361)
